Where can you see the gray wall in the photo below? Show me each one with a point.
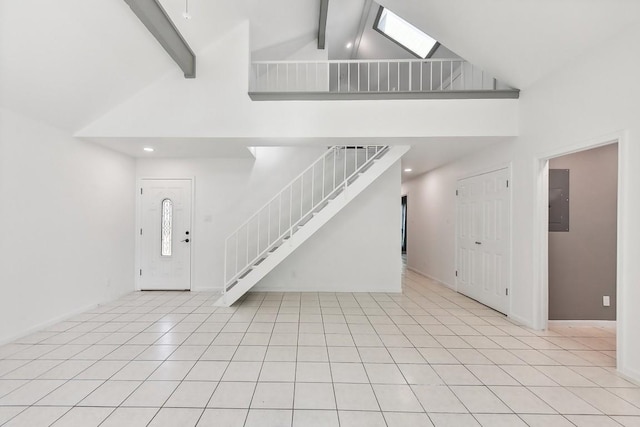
(582, 261)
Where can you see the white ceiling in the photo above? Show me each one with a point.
(177, 147)
(519, 41)
(351, 21)
(277, 22)
(426, 153)
(278, 27)
(430, 153)
(374, 45)
(209, 19)
(343, 20)
(68, 62)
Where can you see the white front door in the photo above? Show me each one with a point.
(482, 241)
(165, 234)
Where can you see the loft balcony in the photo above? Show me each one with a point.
(373, 79)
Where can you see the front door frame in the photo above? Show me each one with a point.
(138, 242)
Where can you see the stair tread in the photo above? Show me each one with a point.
(231, 286)
(245, 273)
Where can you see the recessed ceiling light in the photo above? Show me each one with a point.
(148, 149)
(349, 45)
(408, 170)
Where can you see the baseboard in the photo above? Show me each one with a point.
(207, 289)
(429, 276)
(57, 319)
(609, 324)
(520, 321)
(629, 375)
(514, 318)
(337, 290)
(415, 270)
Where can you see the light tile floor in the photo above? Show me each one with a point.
(425, 357)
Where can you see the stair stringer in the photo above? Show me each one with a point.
(381, 165)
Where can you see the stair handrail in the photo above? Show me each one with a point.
(288, 231)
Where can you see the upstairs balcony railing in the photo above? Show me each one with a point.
(362, 79)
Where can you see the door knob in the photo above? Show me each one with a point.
(186, 240)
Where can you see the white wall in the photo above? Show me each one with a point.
(356, 251)
(227, 192)
(576, 107)
(431, 207)
(309, 52)
(67, 225)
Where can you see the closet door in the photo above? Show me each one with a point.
(483, 238)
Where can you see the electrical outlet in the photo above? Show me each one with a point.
(606, 301)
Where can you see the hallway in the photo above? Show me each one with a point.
(428, 356)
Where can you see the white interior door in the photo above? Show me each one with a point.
(165, 234)
(482, 241)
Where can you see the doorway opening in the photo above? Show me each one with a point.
(582, 246)
(541, 245)
(404, 224)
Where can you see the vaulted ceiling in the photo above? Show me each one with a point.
(520, 41)
(68, 62)
(95, 54)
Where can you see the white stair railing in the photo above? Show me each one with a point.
(292, 207)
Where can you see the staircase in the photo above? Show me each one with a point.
(291, 217)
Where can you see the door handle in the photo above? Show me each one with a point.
(478, 243)
(185, 240)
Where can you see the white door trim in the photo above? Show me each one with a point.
(138, 245)
(541, 235)
(478, 172)
(497, 167)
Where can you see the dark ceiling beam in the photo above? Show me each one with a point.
(322, 26)
(154, 17)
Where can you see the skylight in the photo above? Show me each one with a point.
(404, 34)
